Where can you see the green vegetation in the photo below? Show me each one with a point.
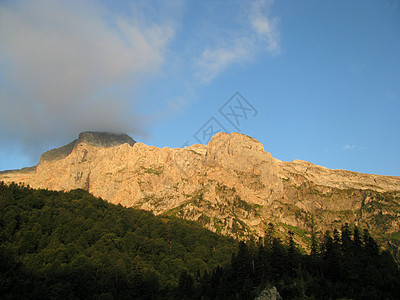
(155, 170)
(344, 265)
(303, 234)
(239, 203)
(57, 245)
(396, 237)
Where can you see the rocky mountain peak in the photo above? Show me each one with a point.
(94, 138)
(231, 186)
(105, 139)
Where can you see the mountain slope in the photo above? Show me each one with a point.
(232, 186)
(71, 245)
(56, 245)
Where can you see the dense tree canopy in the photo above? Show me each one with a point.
(344, 266)
(57, 245)
(73, 245)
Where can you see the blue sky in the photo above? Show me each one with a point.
(320, 79)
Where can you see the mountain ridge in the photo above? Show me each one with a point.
(231, 186)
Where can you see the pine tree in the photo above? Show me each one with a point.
(332, 256)
(336, 239)
(357, 243)
(278, 258)
(293, 256)
(370, 245)
(269, 235)
(314, 244)
(346, 241)
(185, 286)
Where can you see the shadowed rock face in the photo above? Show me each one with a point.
(99, 139)
(105, 139)
(58, 153)
(231, 186)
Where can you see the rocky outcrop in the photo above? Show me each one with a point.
(232, 185)
(99, 139)
(269, 293)
(105, 139)
(58, 153)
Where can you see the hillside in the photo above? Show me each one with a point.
(231, 186)
(56, 245)
(78, 244)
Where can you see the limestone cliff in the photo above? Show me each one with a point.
(232, 185)
(100, 139)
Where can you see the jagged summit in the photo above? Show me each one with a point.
(105, 139)
(94, 138)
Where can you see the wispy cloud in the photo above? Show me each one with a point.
(352, 147)
(265, 26)
(260, 36)
(215, 60)
(67, 66)
(349, 147)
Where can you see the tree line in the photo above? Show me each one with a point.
(342, 264)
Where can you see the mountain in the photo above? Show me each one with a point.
(99, 139)
(231, 186)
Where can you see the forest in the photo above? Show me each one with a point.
(72, 245)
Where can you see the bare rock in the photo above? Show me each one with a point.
(269, 294)
(231, 186)
(99, 139)
(105, 139)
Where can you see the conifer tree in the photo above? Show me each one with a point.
(346, 238)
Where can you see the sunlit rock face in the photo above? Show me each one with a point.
(232, 185)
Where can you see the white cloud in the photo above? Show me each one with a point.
(353, 147)
(68, 66)
(213, 61)
(349, 147)
(260, 36)
(265, 26)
